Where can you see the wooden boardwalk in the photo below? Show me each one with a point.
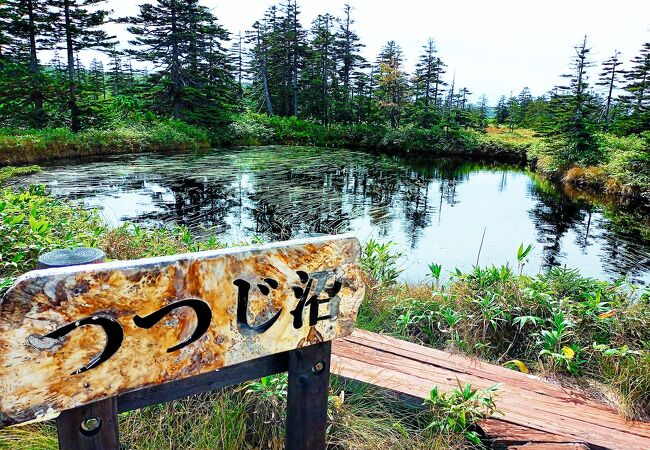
(535, 415)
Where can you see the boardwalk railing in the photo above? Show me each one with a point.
(83, 343)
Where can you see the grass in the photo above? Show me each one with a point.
(10, 172)
(624, 172)
(557, 323)
(30, 146)
(251, 417)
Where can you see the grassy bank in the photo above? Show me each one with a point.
(591, 334)
(32, 146)
(624, 172)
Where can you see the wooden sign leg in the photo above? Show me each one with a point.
(89, 427)
(309, 371)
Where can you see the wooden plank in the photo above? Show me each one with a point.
(525, 401)
(72, 336)
(205, 382)
(89, 427)
(549, 446)
(309, 370)
(481, 374)
(502, 435)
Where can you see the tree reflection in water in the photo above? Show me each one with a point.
(432, 207)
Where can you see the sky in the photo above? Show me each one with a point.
(494, 47)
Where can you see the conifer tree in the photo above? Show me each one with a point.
(524, 100)
(184, 38)
(80, 28)
(348, 47)
(392, 84)
(572, 124)
(428, 76)
(608, 79)
(501, 111)
(319, 74)
(637, 96)
(26, 25)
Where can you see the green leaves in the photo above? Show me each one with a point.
(458, 411)
(381, 262)
(26, 226)
(522, 252)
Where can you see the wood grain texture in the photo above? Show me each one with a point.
(309, 370)
(524, 400)
(37, 376)
(71, 435)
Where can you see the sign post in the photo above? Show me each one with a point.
(83, 343)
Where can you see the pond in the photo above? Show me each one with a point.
(440, 210)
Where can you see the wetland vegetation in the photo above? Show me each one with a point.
(189, 137)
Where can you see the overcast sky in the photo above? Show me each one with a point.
(493, 47)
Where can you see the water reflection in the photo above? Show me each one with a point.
(436, 210)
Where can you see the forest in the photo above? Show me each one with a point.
(282, 82)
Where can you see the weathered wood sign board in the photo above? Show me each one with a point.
(72, 336)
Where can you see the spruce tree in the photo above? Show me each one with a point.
(26, 26)
(80, 29)
(392, 85)
(608, 79)
(572, 124)
(348, 47)
(428, 76)
(524, 100)
(637, 96)
(319, 74)
(501, 111)
(185, 40)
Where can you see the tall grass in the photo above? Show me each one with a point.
(557, 323)
(29, 146)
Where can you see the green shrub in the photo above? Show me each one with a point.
(32, 223)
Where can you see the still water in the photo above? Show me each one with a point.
(434, 209)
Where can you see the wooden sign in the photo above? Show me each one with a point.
(73, 336)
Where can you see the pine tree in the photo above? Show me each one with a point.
(319, 74)
(115, 78)
(81, 29)
(637, 97)
(348, 47)
(524, 100)
(513, 111)
(237, 56)
(96, 79)
(392, 84)
(501, 112)
(608, 78)
(6, 39)
(26, 24)
(572, 123)
(258, 66)
(428, 78)
(185, 39)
